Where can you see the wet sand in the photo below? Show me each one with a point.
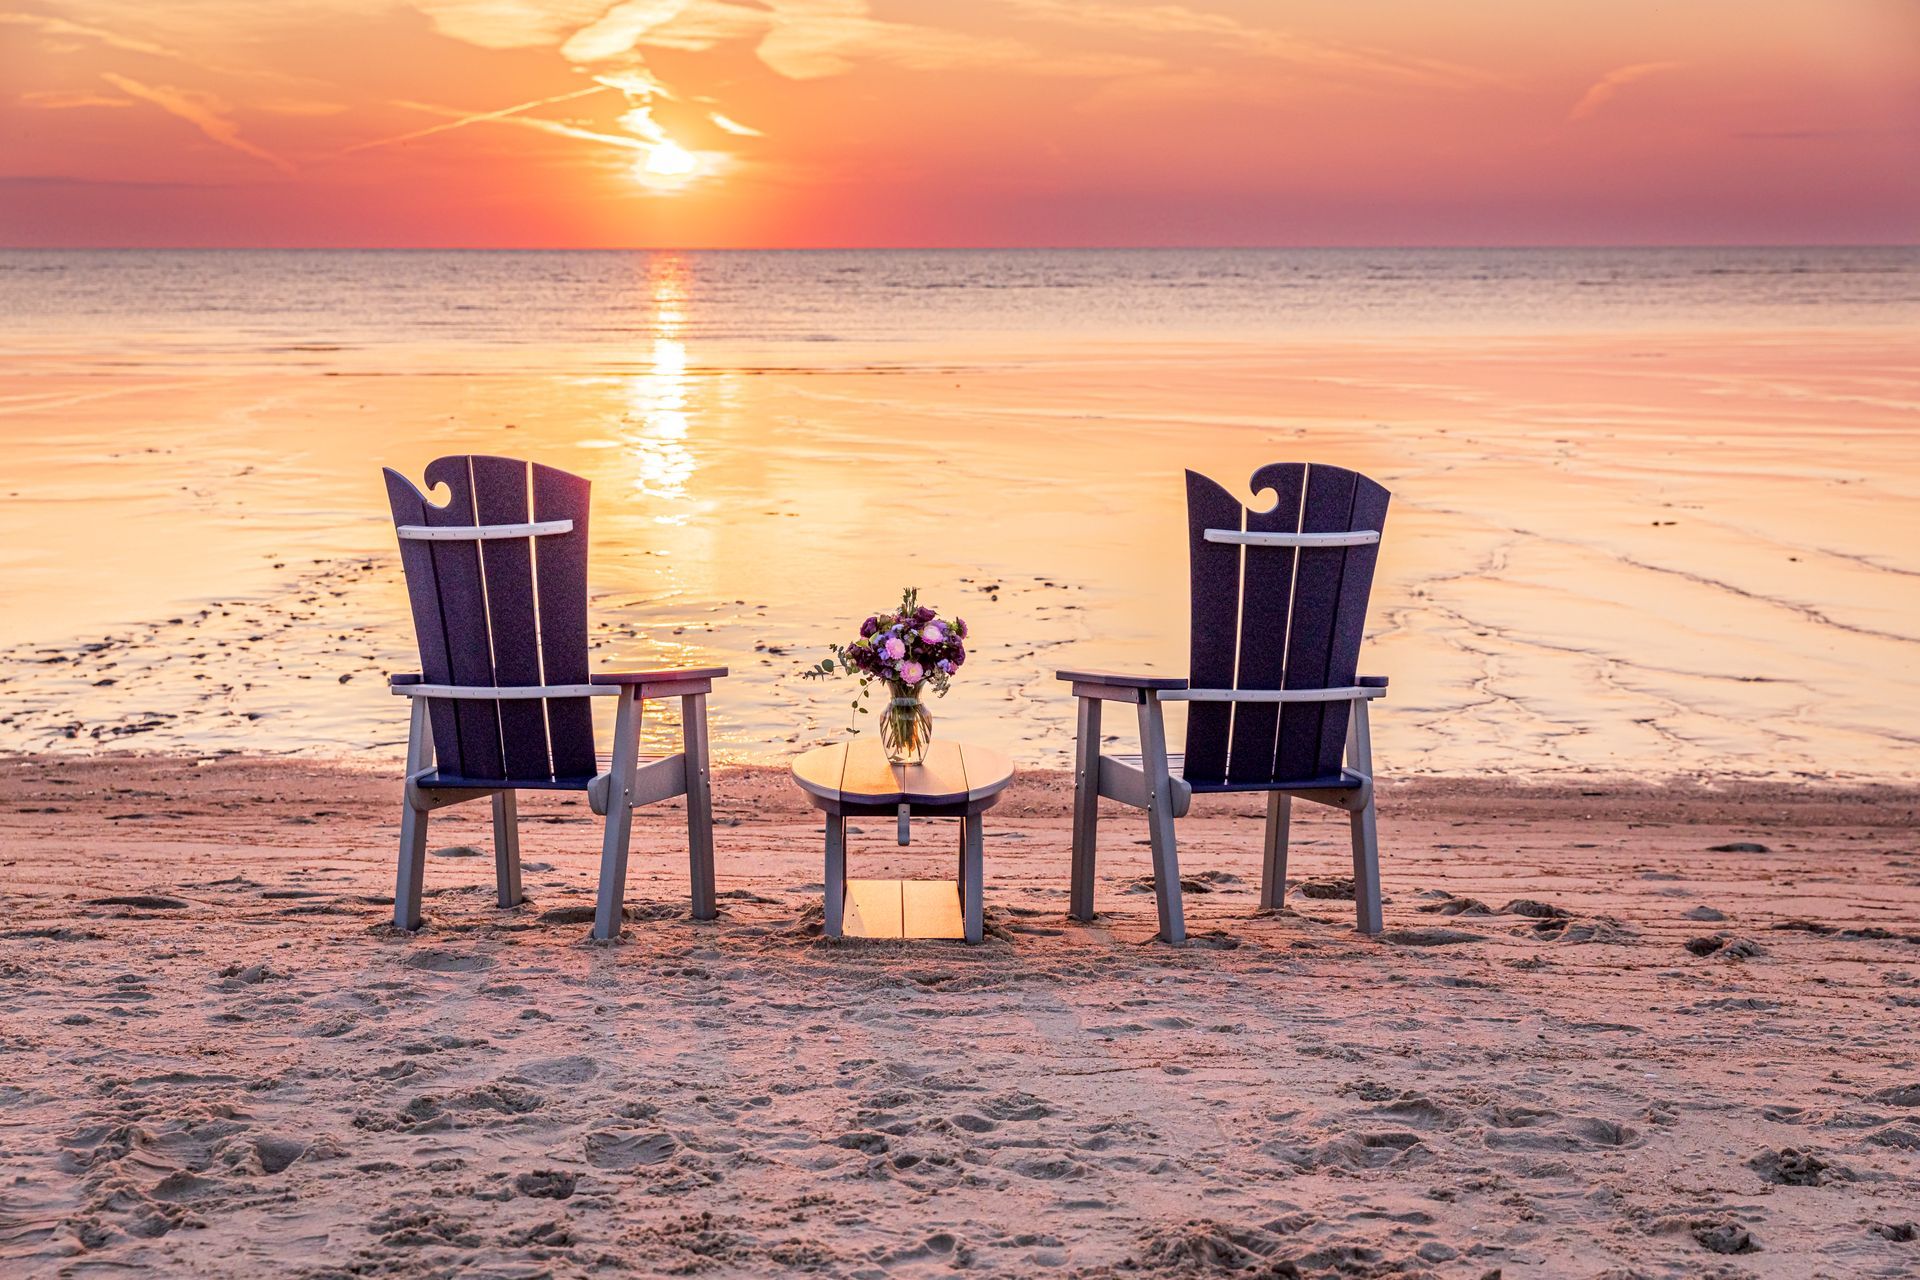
(1608, 553)
(1612, 1030)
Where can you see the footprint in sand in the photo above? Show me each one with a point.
(1724, 946)
(572, 1069)
(274, 1155)
(1519, 1128)
(1791, 1167)
(546, 1184)
(629, 1148)
(416, 1226)
(555, 1233)
(1420, 1111)
(1430, 937)
(1455, 907)
(447, 961)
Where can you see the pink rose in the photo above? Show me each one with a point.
(933, 633)
(894, 648)
(912, 673)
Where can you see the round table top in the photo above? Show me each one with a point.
(857, 773)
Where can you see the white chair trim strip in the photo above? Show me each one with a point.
(1358, 538)
(482, 532)
(505, 693)
(1270, 695)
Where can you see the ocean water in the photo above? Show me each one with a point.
(416, 311)
(1655, 511)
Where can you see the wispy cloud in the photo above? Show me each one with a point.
(46, 24)
(1316, 57)
(462, 119)
(202, 110)
(67, 99)
(554, 127)
(512, 24)
(734, 126)
(798, 39)
(300, 107)
(1610, 84)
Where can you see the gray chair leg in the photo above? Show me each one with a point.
(1086, 810)
(1366, 838)
(835, 896)
(693, 713)
(1366, 869)
(506, 848)
(1273, 866)
(1166, 858)
(411, 880)
(608, 914)
(972, 878)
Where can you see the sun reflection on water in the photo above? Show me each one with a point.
(664, 464)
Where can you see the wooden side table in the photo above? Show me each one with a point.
(853, 779)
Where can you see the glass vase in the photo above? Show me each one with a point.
(906, 727)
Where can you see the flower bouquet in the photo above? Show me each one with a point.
(909, 650)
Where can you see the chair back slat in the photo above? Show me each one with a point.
(1350, 615)
(1215, 616)
(423, 597)
(561, 563)
(503, 611)
(463, 611)
(500, 497)
(1272, 617)
(1266, 581)
(1327, 508)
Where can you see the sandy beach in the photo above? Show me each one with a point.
(1611, 1030)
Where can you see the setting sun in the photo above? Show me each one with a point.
(668, 159)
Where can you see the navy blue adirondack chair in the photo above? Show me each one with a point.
(498, 582)
(1279, 605)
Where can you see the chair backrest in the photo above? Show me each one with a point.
(1277, 617)
(498, 582)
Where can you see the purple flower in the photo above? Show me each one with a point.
(893, 648)
(870, 626)
(933, 633)
(912, 673)
(959, 654)
(960, 627)
(944, 667)
(924, 615)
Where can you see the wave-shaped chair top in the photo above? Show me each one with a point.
(1277, 617)
(500, 607)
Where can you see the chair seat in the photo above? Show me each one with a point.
(453, 781)
(1341, 781)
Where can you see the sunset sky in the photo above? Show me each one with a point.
(777, 123)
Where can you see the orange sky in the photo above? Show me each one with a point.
(960, 122)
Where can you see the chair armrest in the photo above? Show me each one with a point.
(1371, 682)
(1119, 680)
(672, 676)
(395, 682)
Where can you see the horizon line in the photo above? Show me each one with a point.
(947, 248)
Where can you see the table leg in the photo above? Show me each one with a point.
(836, 878)
(972, 889)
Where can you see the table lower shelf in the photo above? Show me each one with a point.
(904, 909)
